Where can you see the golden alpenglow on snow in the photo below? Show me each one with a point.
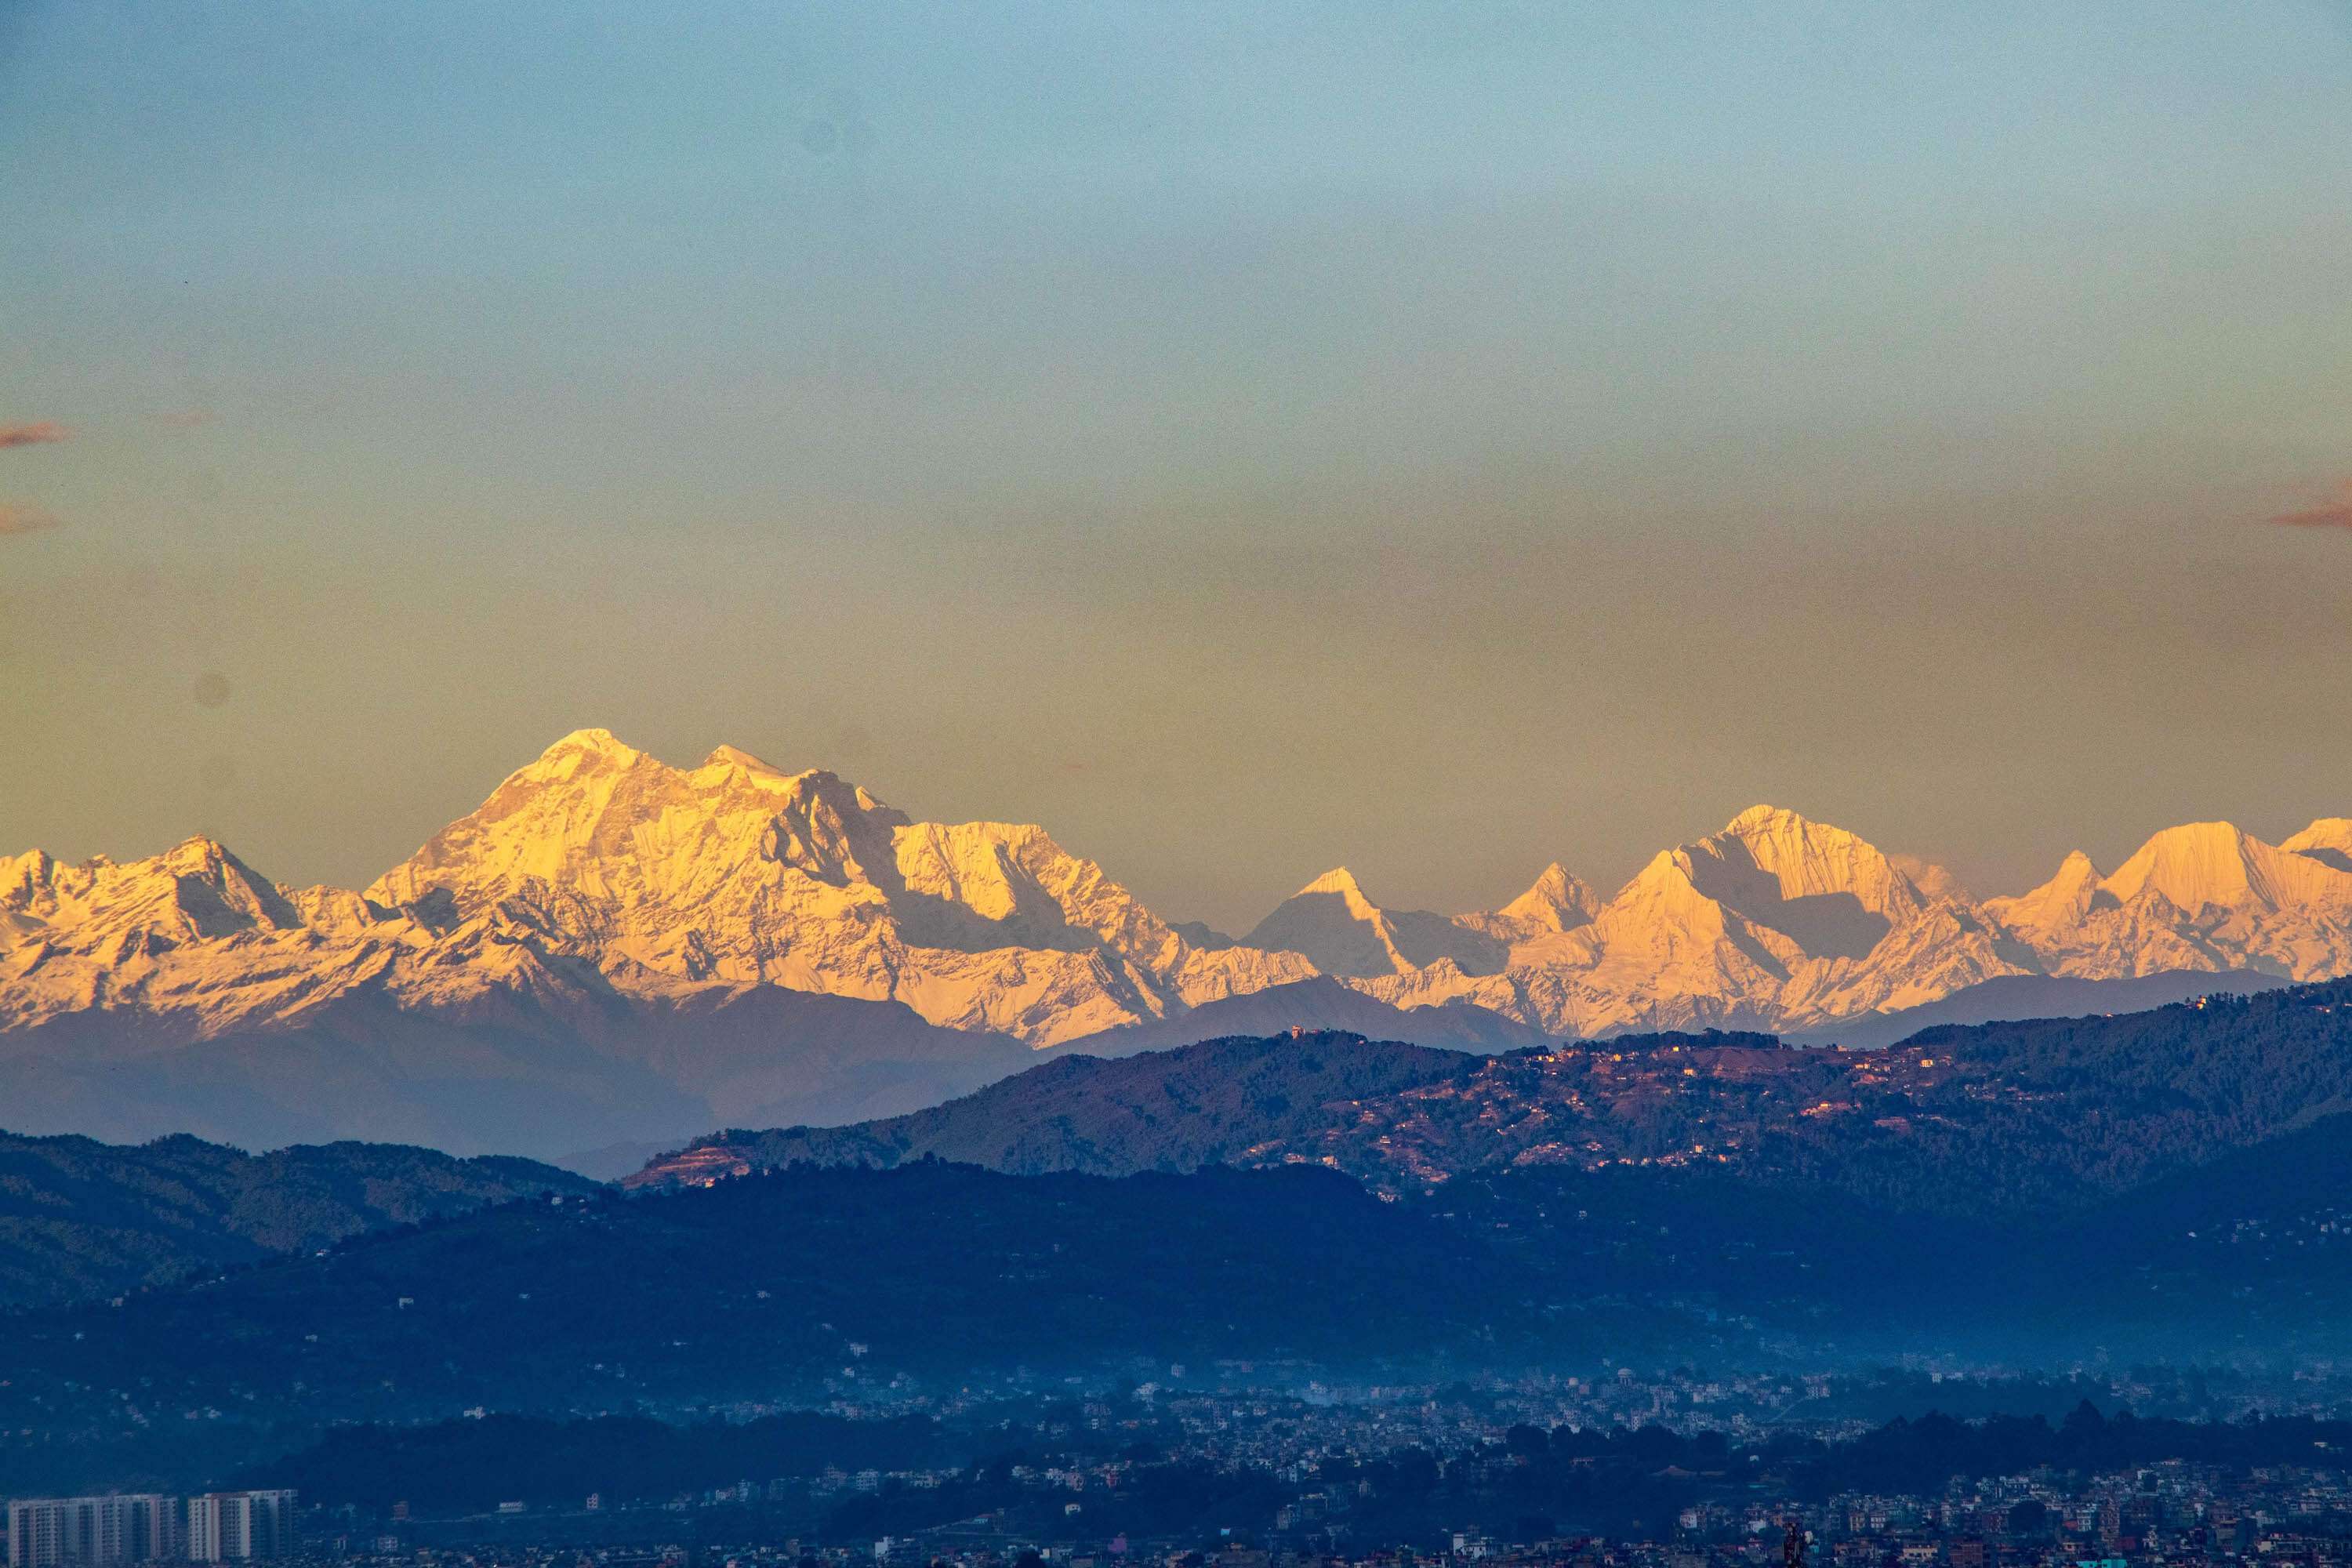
(598, 870)
(1089, 784)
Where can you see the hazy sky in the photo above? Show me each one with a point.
(1435, 440)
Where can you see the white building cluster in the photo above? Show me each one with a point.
(147, 1527)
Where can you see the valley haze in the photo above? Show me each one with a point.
(1516, 785)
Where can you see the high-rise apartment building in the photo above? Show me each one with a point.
(240, 1527)
(53, 1532)
(143, 1527)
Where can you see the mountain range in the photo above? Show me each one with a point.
(611, 948)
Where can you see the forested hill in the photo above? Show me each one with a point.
(792, 1282)
(80, 1218)
(2040, 1119)
(1221, 1101)
(813, 1285)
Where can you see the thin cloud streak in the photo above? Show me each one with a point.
(2336, 513)
(17, 518)
(38, 435)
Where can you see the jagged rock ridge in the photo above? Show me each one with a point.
(598, 887)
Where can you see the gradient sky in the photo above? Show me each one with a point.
(1435, 440)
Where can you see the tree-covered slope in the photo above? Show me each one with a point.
(2039, 1118)
(788, 1284)
(80, 1218)
(1221, 1101)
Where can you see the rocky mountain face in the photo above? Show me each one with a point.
(599, 870)
(1784, 923)
(739, 874)
(2203, 896)
(634, 929)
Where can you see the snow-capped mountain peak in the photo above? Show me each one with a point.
(725, 756)
(1830, 891)
(195, 890)
(1808, 860)
(2328, 840)
(1334, 924)
(2214, 865)
(1557, 900)
(1341, 881)
(580, 749)
(598, 871)
(2056, 906)
(739, 872)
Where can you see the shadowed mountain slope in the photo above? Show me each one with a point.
(81, 1218)
(1321, 1005)
(1217, 1102)
(532, 1075)
(2014, 998)
(2042, 1117)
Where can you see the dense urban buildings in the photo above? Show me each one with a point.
(234, 1527)
(2168, 1515)
(147, 1527)
(45, 1532)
